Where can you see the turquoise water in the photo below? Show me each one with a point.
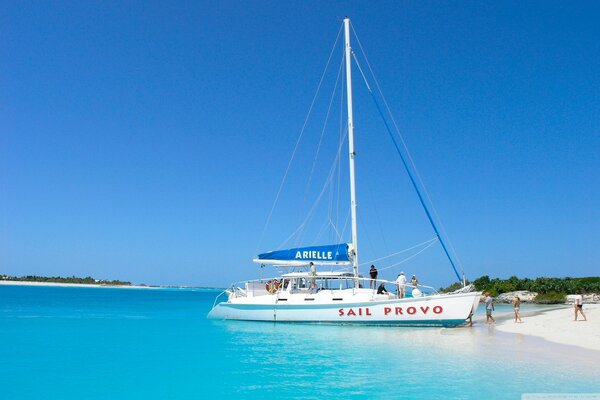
(98, 343)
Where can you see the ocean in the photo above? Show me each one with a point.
(104, 343)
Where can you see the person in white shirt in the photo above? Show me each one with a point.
(401, 283)
(578, 305)
(489, 308)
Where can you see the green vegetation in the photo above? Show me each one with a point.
(60, 279)
(550, 298)
(550, 290)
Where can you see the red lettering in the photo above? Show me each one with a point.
(387, 310)
(411, 310)
(438, 309)
(424, 309)
(360, 311)
(341, 312)
(399, 311)
(368, 312)
(351, 312)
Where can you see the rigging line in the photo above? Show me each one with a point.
(330, 208)
(375, 210)
(338, 236)
(346, 220)
(401, 251)
(408, 258)
(343, 132)
(414, 166)
(317, 238)
(414, 183)
(318, 199)
(312, 170)
(420, 179)
(410, 175)
(370, 192)
(299, 138)
(326, 184)
(364, 229)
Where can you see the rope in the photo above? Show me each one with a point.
(298, 141)
(314, 163)
(401, 251)
(318, 199)
(307, 187)
(408, 258)
(405, 164)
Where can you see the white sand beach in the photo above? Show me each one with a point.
(558, 326)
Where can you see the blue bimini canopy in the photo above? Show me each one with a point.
(336, 254)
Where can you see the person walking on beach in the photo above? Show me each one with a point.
(578, 305)
(401, 283)
(373, 274)
(517, 306)
(489, 307)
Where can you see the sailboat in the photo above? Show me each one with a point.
(340, 296)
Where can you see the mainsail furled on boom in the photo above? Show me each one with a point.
(333, 254)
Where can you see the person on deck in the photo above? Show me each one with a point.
(401, 283)
(313, 276)
(413, 281)
(381, 289)
(373, 273)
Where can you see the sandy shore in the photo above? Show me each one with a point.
(558, 326)
(24, 283)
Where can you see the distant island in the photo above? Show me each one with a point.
(59, 279)
(547, 290)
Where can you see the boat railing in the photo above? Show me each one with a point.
(218, 296)
(256, 287)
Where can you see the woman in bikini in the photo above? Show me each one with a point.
(517, 306)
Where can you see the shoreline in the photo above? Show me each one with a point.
(88, 285)
(556, 325)
(93, 285)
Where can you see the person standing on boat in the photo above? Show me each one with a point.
(489, 307)
(578, 305)
(517, 307)
(413, 281)
(401, 283)
(373, 273)
(313, 275)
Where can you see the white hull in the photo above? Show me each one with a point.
(354, 307)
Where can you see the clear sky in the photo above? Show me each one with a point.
(146, 141)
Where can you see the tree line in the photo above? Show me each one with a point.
(60, 279)
(550, 290)
(542, 285)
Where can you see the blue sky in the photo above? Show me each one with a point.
(146, 141)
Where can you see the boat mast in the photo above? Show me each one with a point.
(351, 146)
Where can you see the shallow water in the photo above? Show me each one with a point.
(98, 343)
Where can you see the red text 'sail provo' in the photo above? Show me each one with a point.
(387, 311)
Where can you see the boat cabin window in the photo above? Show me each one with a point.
(298, 283)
